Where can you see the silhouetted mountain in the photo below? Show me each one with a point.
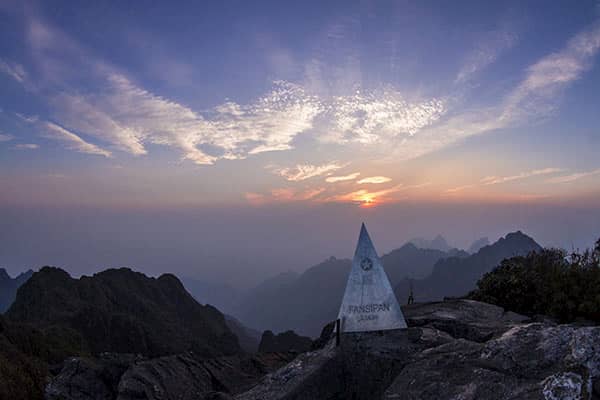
(437, 243)
(9, 286)
(119, 310)
(309, 301)
(283, 342)
(455, 276)
(478, 244)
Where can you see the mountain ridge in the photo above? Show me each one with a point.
(119, 310)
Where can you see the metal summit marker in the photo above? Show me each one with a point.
(369, 303)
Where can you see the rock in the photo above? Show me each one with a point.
(183, 376)
(186, 377)
(466, 319)
(88, 378)
(282, 342)
(459, 350)
(312, 375)
(325, 337)
(529, 361)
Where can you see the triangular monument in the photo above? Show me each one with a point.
(369, 303)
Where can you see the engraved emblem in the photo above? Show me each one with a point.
(366, 264)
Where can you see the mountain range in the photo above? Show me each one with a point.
(455, 276)
(306, 302)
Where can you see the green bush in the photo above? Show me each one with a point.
(549, 282)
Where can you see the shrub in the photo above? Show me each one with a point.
(550, 282)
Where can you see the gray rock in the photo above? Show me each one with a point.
(181, 377)
(466, 319)
(87, 378)
(460, 349)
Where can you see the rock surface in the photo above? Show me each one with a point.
(457, 349)
(181, 377)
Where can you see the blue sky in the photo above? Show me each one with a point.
(311, 104)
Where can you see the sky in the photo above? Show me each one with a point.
(214, 138)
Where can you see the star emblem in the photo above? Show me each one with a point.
(366, 264)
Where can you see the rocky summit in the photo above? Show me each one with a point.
(457, 349)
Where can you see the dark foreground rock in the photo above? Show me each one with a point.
(455, 349)
(181, 377)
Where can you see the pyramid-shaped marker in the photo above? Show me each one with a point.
(369, 303)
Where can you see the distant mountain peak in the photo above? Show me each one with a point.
(4, 275)
(437, 243)
(478, 244)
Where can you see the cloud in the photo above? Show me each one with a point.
(27, 146)
(306, 171)
(458, 189)
(494, 180)
(284, 195)
(374, 179)
(573, 177)
(5, 137)
(534, 97)
(375, 117)
(14, 70)
(73, 141)
(120, 112)
(129, 117)
(486, 52)
(535, 94)
(334, 179)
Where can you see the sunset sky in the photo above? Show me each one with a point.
(328, 108)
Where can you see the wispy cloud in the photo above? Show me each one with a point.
(127, 116)
(458, 189)
(573, 177)
(374, 179)
(305, 171)
(494, 180)
(283, 195)
(72, 141)
(5, 138)
(535, 94)
(27, 146)
(534, 97)
(14, 70)
(349, 177)
(485, 53)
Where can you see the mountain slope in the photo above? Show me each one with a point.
(9, 286)
(478, 245)
(457, 276)
(119, 310)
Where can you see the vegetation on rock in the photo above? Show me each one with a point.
(549, 282)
